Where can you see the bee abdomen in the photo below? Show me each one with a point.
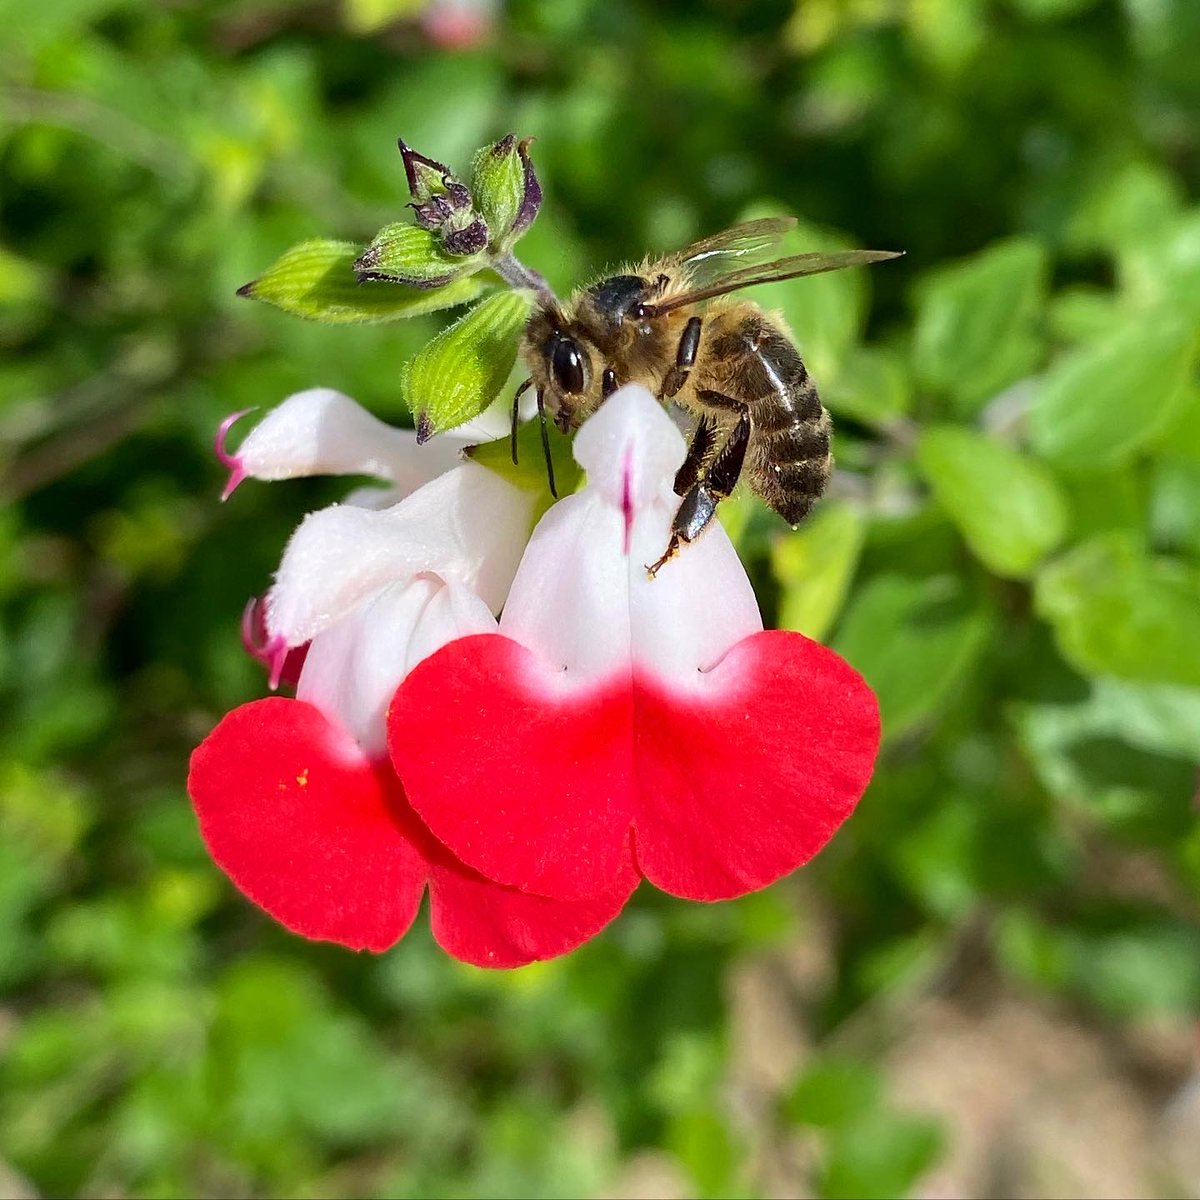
(792, 467)
(790, 448)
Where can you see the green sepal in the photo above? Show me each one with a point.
(457, 375)
(316, 280)
(529, 472)
(1008, 506)
(413, 256)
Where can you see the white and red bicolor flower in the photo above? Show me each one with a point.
(615, 716)
(297, 799)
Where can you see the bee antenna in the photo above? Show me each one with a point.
(516, 417)
(541, 406)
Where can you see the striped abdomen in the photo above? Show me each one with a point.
(788, 460)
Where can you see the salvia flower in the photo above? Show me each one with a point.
(611, 727)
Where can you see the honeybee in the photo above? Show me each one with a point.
(730, 365)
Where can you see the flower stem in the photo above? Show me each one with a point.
(516, 274)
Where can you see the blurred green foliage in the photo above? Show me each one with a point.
(1011, 554)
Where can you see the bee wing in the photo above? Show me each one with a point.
(793, 267)
(705, 261)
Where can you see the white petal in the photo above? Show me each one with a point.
(582, 597)
(353, 669)
(468, 525)
(323, 432)
(629, 447)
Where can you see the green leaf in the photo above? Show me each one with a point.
(1127, 206)
(316, 280)
(1163, 272)
(1083, 313)
(814, 566)
(1101, 405)
(976, 323)
(873, 386)
(1116, 611)
(1008, 506)
(834, 1092)
(410, 255)
(1175, 505)
(1150, 967)
(882, 1155)
(369, 16)
(458, 374)
(704, 1144)
(914, 640)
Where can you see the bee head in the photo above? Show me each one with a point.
(569, 371)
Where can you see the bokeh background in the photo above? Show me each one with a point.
(989, 983)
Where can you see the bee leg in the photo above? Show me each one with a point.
(702, 443)
(685, 356)
(516, 417)
(541, 405)
(699, 504)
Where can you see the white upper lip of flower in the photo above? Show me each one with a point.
(379, 582)
(582, 598)
(375, 589)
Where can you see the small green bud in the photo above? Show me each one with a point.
(410, 255)
(506, 189)
(428, 178)
(464, 234)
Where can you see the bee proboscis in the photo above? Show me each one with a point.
(729, 364)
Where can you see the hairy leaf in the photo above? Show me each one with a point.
(316, 280)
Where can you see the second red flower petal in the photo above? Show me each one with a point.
(724, 785)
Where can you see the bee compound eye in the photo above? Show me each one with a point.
(568, 367)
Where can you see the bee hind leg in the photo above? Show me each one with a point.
(702, 495)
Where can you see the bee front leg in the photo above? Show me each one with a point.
(685, 356)
(699, 504)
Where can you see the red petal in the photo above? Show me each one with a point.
(305, 827)
(728, 786)
(748, 783)
(492, 926)
(530, 790)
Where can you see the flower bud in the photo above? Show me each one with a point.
(464, 234)
(506, 189)
(407, 254)
(428, 178)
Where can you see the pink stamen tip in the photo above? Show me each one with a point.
(237, 471)
(627, 497)
(275, 654)
(252, 629)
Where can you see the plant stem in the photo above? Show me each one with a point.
(516, 274)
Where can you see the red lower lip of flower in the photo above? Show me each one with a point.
(327, 843)
(724, 787)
